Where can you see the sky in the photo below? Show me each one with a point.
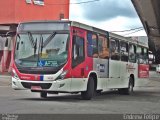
(110, 15)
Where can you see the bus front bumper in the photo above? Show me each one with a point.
(57, 86)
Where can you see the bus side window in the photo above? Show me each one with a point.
(145, 56)
(139, 55)
(132, 53)
(124, 51)
(114, 49)
(103, 47)
(142, 55)
(78, 55)
(92, 46)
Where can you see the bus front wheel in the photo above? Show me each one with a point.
(88, 94)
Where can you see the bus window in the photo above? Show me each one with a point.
(114, 49)
(78, 55)
(102, 46)
(139, 55)
(132, 53)
(92, 46)
(145, 55)
(124, 51)
(142, 55)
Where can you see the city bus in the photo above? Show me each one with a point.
(52, 57)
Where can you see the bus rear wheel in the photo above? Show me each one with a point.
(89, 93)
(43, 94)
(129, 90)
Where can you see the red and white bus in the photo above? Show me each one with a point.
(70, 57)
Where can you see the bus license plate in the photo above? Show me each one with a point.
(36, 88)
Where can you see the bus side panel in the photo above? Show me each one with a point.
(125, 71)
(130, 69)
(101, 66)
(114, 74)
(80, 74)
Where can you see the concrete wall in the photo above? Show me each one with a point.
(5, 55)
(15, 11)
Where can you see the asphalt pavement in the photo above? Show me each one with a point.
(145, 100)
(5, 80)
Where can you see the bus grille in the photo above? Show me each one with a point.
(42, 85)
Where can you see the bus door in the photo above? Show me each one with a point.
(78, 60)
(114, 64)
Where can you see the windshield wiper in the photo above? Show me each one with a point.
(17, 48)
(49, 39)
(31, 39)
(34, 44)
(41, 39)
(35, 47)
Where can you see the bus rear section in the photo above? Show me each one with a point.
(70, 57)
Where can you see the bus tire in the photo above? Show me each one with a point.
(129, 90)
(43, 94)
(88, 94)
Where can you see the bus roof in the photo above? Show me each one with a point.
(127, 39)
(111, 35)
(72, 23)
(87, 27)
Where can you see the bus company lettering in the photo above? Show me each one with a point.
(25, 77)
(130, 68)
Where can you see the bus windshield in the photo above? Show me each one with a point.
(41, 49)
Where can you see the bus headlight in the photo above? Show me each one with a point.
(14, 74)
(62, 75)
